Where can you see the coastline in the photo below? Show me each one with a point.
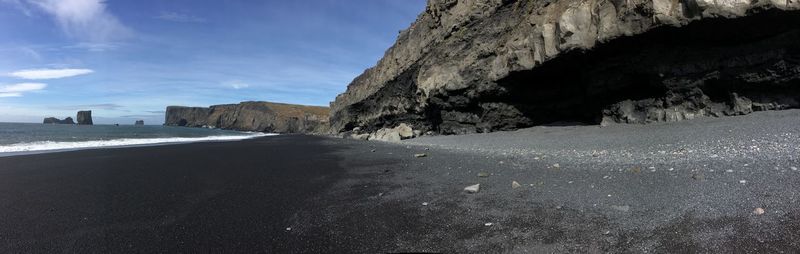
(295, 193)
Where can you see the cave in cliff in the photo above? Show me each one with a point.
(710, 67)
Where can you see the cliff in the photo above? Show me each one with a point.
(85, 117)
(252, 116)
(53, 120)
(467, 66)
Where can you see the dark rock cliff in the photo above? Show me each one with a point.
(252, 116)
(139, 123)
(469, 66)
(85, 117)
(53, 120)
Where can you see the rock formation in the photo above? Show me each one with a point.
(139, 123)
(252, 116)
(85, 117)
(53, 120)
(486, 65)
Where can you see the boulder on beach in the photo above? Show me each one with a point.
(85, 117)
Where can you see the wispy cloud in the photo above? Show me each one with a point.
(87, 20)
(16, 90)
(180, 17)
(37, 74)
(236, 84)
(20, 6)
(157, 112)
(105, 106)
(94, 47)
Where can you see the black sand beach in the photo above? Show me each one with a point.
(306, 194)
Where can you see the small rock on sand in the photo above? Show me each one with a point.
(424, 203)
(488, 224)
(473, 188)
(483, 174)
(621, 208)
(759, 211)
(793, 168)
(557, 165)
(288, 229)
(697, 177)
(515, 185)
(420, 155)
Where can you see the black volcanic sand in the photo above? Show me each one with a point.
(676, 188)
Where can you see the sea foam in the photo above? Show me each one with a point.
(40, 146)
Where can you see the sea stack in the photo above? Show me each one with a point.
(139, 123)
(53, 120)
(85, 117)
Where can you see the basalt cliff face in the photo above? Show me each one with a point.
(469, 66)
(252, 116)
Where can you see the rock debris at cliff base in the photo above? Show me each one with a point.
(483, 66)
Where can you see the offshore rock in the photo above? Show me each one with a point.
(489, 65)
(139, 123)
(85, 117)
(252, 116)
(53, 120)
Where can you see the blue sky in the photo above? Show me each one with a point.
(129, 59)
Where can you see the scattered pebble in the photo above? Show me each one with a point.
(420, 155)
(488, 224)
(515, 185)
(556, 165)
(380, 194)
(743, 181)
(288, 229)
(621, 208)
(607, 232)
(473, 188)
(729, 171)
(373, 150)
(697, 177)
(636, 170)
(671, 169)
(793, 168)
(424, 203)
(759, 211)
(483, 174)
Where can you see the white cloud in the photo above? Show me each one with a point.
(6, 95)
(236, 84)
(105, 106)
(180, 17)
(49, 73)
(84, 19)
(16, 90)
(22, 87)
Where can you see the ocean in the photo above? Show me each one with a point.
(23, 138)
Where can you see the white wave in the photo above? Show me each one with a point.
(52, 146)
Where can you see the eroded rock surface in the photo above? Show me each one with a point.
(486, 65)
(252, 116)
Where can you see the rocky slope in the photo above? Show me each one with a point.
(469, 66)
(252, 116)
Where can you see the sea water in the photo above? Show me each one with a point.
(20, 138)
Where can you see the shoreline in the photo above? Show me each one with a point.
(123, 143)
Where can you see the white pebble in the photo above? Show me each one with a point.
(288, 229)
(729, 171)
(794, 168)
(488, 224)
(425, 203)
(743, 181)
